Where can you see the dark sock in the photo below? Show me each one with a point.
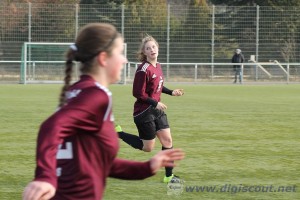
(132, 140)
(169, 170)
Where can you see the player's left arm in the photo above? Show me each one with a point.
(134, 170)
(176, 92)
(130, 170)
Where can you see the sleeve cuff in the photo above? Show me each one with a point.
(152, 102)
(167, 91)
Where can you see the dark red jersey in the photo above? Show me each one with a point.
(147, 86)
(77, 145)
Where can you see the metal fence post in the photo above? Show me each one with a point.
(257, 32)
(29, 22)
(168, 41)
(288, 73)
(29, 39)
(213, 35)
(123, 19)
(76, 33)
(76, 19)
(242, 73)
(213, 42)
(196, 66)
(257, 41)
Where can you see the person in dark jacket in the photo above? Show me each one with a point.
(237, 58)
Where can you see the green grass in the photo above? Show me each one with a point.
(232, 134)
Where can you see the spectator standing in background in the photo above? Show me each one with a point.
(237, 58)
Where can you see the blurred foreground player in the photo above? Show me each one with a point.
(77, 145)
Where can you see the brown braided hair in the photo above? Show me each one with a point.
(92, 39)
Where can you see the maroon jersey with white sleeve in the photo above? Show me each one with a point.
(77, 145)
(147, 86)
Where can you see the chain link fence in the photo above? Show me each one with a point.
(186, 34)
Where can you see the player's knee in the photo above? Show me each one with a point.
(147, 148)
(148, 145)
(167, 143)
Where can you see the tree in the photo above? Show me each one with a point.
(236, 2)
(97, 13)
(103, 2)
(145, 17)
(194, 34)
(278, 26)
(15, 29)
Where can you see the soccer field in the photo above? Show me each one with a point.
(241, 141)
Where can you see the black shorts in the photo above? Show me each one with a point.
(149, 122)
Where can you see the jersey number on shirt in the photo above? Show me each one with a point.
(160, 84)
(66, 153)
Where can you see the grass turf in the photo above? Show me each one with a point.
(234, 136)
